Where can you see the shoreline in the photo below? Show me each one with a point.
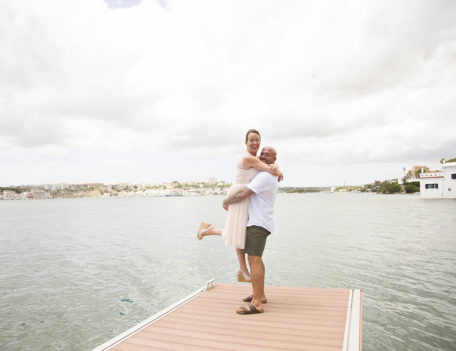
(135, 195)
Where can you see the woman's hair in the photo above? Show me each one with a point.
(252, 131)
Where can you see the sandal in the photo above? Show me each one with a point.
(243, 277)
(203, 229)
(250, 310)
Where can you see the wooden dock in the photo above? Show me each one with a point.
(295, 319)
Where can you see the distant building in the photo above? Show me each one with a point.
(415, 171)
(211, 180)
(93, 185)
(11, 195)
(57, 187)
(419, 168)
(40, 194)
(52, 187)
(440, 184)
(26, 195)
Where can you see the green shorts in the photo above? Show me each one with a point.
(255, 240)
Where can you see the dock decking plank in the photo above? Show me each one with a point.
(294, 319)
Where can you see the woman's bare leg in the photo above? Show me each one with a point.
(213, 231)
(242, 263)
(207, 229)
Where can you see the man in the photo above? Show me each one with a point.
(262, 190)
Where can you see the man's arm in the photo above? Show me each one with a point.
(239, 195)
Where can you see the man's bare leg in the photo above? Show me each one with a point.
(257, 271)
(264, 299)
(264, 277)
(261, 295)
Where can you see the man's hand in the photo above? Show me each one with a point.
(239, 195)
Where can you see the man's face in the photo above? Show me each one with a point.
(267, 155)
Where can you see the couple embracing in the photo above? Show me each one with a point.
(250, 205)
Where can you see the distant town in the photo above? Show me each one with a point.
(409, 183)
(212, 186)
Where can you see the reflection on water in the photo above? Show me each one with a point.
(77, 272)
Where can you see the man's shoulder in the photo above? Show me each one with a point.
(265, 177)
(269, 175)
(265, 174)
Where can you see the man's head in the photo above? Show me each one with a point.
(268, 155)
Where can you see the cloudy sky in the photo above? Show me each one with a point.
(158, 90)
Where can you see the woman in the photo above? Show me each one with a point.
(236, 222)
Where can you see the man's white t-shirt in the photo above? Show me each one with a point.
(261, 204)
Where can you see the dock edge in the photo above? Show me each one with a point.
(353, 322)
(121, 337)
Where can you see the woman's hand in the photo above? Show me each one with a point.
(280, 176)
(274, 170)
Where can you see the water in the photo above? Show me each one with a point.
(77, 272)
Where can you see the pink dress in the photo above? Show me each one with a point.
(238, 213)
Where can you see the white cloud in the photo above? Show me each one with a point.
(346, 83)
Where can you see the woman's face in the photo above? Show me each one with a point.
(253, 143)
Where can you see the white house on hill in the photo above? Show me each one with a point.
(439, 185)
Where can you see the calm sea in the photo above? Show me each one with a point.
(77, 272)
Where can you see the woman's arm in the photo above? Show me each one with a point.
(254, 162)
